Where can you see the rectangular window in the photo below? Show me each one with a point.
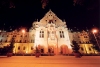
(61, 34)
(33, 41)
(42, 35)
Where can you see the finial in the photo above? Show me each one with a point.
(37, 20)
(64, 20)
(49, 9)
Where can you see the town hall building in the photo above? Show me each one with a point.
(50, 35)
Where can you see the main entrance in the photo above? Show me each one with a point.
(64, 50)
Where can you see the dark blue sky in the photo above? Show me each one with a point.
(27, 11)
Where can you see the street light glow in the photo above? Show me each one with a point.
(95, 31)
(23, 31)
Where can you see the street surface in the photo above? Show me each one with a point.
(49, 61)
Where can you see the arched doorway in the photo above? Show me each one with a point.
(64, 49)
(42, 50)
(51, 50)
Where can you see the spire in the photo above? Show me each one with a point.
(64, 20)
(3, 26)
(49, 9)
(37, 20)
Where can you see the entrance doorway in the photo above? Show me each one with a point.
(51, 50)
(42, 50)
(64, 49)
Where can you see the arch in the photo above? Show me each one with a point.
(64, 49)
(51, 49)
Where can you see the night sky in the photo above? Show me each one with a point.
(78, 14)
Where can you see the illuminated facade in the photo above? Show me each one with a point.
(82, 38)
(50, 35)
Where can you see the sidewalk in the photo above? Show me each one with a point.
(50, 61)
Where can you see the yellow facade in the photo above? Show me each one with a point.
(25, 44)
(82, 38)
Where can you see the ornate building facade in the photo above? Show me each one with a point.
(49, 35)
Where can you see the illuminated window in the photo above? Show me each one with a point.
(7, 35)
(31, 47)
(89, 49)
(1, 40)
(78, 37)
(20, 41)
(79, 41)
(41, 34)
(16, 41)
(82, 48)
(21, 36)
(24, 48)
(83, 42)
(26, 36)
(25, 41)
(19, 48)
(15, 36)
(2, 35)
(5, 40)
(61, 34)
(42, 50)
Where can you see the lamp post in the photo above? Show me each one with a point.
(95, 31)
(23, 32)
(14, 35)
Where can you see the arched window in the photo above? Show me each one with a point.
(24, 48)
(31, 47)
(82, 48)
(19, 48)
(89, 49)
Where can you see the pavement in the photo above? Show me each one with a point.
(49, 61)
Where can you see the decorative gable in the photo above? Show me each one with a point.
(50, 16)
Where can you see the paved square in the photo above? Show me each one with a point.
(49, 61)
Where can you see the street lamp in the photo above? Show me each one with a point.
(23, 32)
(95, 31)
